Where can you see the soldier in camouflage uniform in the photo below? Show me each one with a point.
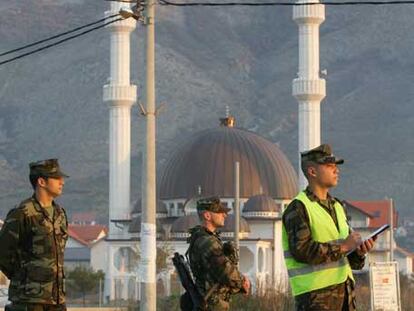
(319, 166)
(214, 267)
(32, 243)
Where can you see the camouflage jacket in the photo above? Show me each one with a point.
(32, 247)
(211, 265)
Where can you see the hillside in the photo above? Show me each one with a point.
(207, 59)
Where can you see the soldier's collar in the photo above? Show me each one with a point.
(39, 207)
(208, 231)
(314, 198)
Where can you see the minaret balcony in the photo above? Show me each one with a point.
(120, 93)
(303, 89)
(309, 14)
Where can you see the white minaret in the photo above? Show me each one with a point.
(120, 95)
(308, 88)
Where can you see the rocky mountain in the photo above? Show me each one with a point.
(208, 58)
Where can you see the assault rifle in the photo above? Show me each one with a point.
(183, 270)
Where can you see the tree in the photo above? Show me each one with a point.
(84, 280)
(164, 254)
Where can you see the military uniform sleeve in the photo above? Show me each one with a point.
(301, 245)
(222, 269)
(356, 261)
(10, 236)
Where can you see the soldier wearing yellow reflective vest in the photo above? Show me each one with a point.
(317, 238)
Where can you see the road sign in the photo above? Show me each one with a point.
(385, 286)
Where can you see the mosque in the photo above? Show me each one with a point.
(204, 166)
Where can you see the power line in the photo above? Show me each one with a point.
(60, 41)
(183, 4)
(329, 3)
(57, 36)
(165, 2)
(123, 1)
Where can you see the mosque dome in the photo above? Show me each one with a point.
(204, 165)
(180, 227)
(229, 225)
(262, 206)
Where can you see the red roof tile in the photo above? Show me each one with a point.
(347, 204)
(380, 210)
(87, 233)
(74, 236)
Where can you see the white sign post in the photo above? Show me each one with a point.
(385, 286)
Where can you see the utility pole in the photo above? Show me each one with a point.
(148, 227)
(236, 209)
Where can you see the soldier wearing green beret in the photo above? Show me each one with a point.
(213, 265)
(32, 243)
(318, 242)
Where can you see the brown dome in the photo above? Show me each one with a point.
(206, 161)
(261, 203)
(229, 225)
(184, 223)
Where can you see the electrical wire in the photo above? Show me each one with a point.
(57, 36)
(123, 1)
(329, 3)
(60, 41)
(182, 4)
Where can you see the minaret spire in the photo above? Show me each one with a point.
(308, 88)
(120, 95)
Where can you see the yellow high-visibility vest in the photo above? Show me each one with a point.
(303, 277)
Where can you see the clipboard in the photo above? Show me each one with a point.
(373, 235)
(378, 232)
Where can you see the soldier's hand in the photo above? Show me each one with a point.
(366, 246)
(352, 242)
(246, 285)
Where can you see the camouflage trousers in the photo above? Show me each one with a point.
(219, 303)
(34, 307)
(334, 298)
